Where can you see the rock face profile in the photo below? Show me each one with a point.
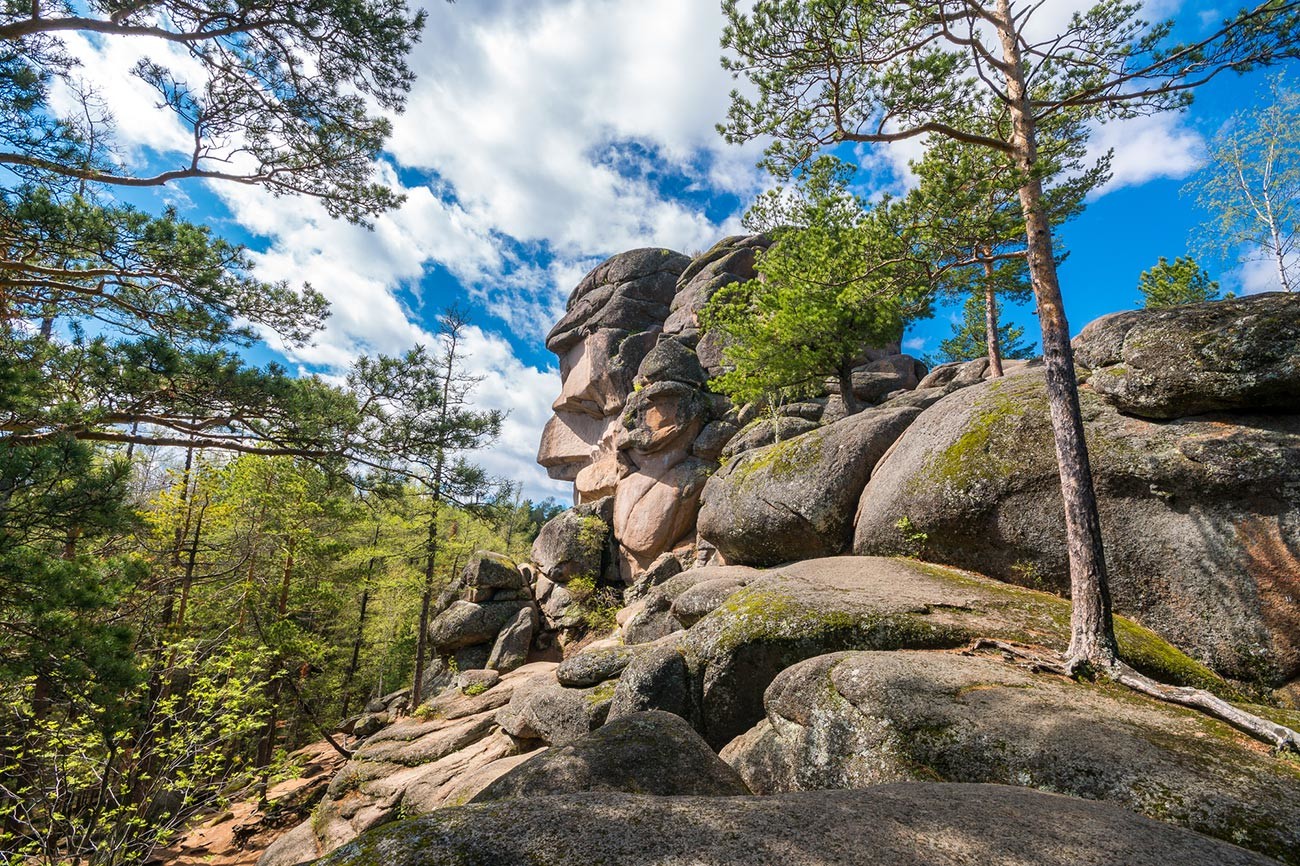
(635, 420)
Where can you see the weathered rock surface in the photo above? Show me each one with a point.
(546, 711)
(1201, 517)
(795, 499)
(513, 641)
(465, 623)
(853, 720)
(656, 679)
(671, 361)
(730, 260)
(1242, 353)
(766, 432)
(911, 823)
(492, 571)
(592, 667)
(653, 617)
(572, 544)
(645, 753)
(820, 606)
(630, 291)
(442, 757)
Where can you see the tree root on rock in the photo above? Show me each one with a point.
(1042, 660)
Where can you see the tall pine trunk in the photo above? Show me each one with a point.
(431, 552)
(355, 661)
(991, 323)
(1092, 636)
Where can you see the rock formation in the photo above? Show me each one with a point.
(806, 670)
(917, 824)
(635, 420)
(1200, 513)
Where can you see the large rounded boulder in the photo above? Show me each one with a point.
(914, 823)
(794, 499)
(854, 720)
(1242, 353)
(1200, 517)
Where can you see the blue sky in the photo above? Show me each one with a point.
(545, 135)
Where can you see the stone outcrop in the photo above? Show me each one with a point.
(1201, 517)
(1238, 354)
(635, 419)
(853, 720)
(488, 618)
(795, 499)
(811, 671)
(912, 823)
(643, 753)
(443, 756)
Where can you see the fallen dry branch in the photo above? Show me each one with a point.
(1039, 659)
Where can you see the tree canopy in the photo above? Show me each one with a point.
(836, 281)
(1182, 281)
(1251, 186)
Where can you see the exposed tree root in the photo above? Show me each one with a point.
(1038, 659)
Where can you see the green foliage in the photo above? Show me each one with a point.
(475, 689)
(969, 337)
(914, 540)
(129, 318)
(81, 785)
(829, 287)
(596, 605)
(1182, 281)
(279, 100)
(1251, 185)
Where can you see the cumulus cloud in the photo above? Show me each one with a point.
(1146, 148)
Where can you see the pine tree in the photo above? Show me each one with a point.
(970, 337)
(830, 286)
(825, 72)
(1182, 281)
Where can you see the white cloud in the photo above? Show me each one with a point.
(525, 109)
(1146, 148)
(1258, 273)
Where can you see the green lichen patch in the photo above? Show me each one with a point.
(1041, 618)
(784, 459)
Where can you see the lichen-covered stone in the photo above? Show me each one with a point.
(1242, 353)
(544, 710)
(766, 431)
(592, 667)
(820, 606)
(911, 823)
(853, 720)
(466, 623)
(571, 544)
(492, 571)
(795, 499)
(1200, 518)
(644, 753)
(656, 679)
(513, 642)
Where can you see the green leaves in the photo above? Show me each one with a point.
(1251, 184)
(835, 281)
(1181, 281)
(281, 97)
